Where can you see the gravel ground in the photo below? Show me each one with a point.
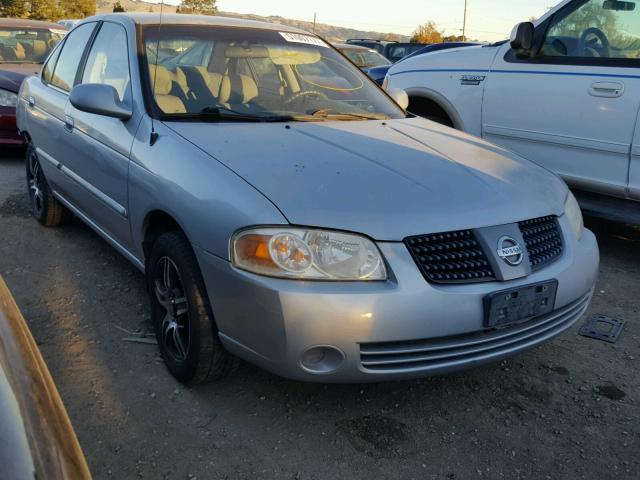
(567, 410)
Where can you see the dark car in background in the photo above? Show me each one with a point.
(24, 46)
(378, 73)
(392, 50)
(377, 45)
(364, 58)
(397, 51)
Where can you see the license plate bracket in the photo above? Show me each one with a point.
(519, 304)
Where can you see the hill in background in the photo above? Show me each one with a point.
(329, 32)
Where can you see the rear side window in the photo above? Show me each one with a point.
(108, 61)
(69, 59)
(47, 72)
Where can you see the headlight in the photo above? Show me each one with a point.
(307, 254)
(574, 215)
(8, 99)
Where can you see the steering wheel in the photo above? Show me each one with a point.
(584, 45)
(305, 93)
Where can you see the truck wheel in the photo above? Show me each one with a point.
(185, 330)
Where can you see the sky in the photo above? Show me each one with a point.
(486, 19)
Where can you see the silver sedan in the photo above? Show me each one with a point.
(287, 211)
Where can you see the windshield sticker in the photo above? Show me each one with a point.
(298, 38)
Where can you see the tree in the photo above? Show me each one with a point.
(13, 8)
(454, 38)
(118, 8)
(201, 7)
(427, 33)
(79, 8)
(44, 10)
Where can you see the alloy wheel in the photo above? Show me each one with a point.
(169, 291)
(36, 186)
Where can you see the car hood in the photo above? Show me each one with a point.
(13, 74)
(462, 59)
(388, 180)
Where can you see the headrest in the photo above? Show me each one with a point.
(39, 47)
(212, 80)
(237, 89)
(163, 79)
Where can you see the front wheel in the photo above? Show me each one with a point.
(185, 330)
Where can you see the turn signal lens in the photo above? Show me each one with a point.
(308, 254)
(574, 215)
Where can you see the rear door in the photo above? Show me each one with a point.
(572, 107)
(47, 101)
(98, 147)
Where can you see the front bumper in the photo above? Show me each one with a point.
(398, 329)
(8, 129)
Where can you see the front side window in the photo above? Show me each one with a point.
(108, 60)
(26, 45)
(262, 73)
(595, 29)
(66, 68)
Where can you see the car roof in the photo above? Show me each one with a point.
(19, 22)
(181, 19)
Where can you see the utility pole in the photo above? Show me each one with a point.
(464, 23)
(315, 14)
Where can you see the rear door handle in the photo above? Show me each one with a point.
(68, 123)
(606, 89)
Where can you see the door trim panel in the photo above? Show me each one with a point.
(564, 140)
(117, 245)
(103, 197)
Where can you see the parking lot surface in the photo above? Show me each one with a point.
(568, 410)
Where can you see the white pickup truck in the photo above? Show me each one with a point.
(564, 92)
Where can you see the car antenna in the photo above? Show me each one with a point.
(154, 135)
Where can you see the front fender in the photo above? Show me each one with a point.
(442, 101)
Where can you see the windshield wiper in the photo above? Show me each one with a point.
(223, 113)
(330, 113)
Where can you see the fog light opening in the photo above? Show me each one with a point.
(322, 360)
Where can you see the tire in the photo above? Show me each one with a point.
(44, 206)
(186, 332)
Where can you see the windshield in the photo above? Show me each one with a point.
(365, 58)
(27, 45)
(216, 71)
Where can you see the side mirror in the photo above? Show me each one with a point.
(399, 96)
(522, 38)
(99, 99)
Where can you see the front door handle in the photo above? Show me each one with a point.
(68, 123)
(32, 102)
(606, 89)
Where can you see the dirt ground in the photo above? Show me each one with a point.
(567, 410)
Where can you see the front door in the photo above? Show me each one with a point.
(572, 105)
(98, 148)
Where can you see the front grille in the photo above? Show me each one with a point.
(543, 240)
(441, 354)
(453, 257)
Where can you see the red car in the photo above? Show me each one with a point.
(24, 46)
